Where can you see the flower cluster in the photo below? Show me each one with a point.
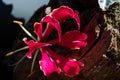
(51, 61)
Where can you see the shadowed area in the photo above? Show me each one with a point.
(8, 33)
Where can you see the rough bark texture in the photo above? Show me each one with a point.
(101, 56)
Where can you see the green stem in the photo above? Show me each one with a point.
(16, 64)
(13, 52)
(34, 58)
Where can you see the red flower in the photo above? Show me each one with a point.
(69, 66)
(47, 64)
(72, 39)
(51, 61)
(61, 14)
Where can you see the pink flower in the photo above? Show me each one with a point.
(61, 14)
(33, 46)
(47, 64)
(51, 61)
(69, 66)
(72, 39)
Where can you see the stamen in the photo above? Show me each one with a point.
(34, 58)
(18, 22)
(16, 64)
(10, 53)
(31, 74)
(25, 30)
(13, 52)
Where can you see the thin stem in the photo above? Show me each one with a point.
(25, 30)
(34, 58)
(16, 64)
(29, 75)
(13, 52)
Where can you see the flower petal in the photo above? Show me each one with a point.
(77, 18)
(52, 24)
(63, 13)
(38, 30)
(70, 67)
(72, 39)
(33, 46)
(47, 65)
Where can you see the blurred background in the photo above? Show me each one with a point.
(25, 8)
(105, 3)
(10, 10)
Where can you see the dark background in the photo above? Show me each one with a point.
(8, 33)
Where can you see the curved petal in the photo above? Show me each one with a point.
(33, 46)
(72, 39)
(47, 65)
(70, 67)
(52, 24)
(63, 13)
(38, 30)
(77, 18)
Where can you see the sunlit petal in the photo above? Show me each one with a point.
(72, 39)
(64, 13)
(70, 67)
(38, 30)
(52, 24)
(47, 65)
(33, 46)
